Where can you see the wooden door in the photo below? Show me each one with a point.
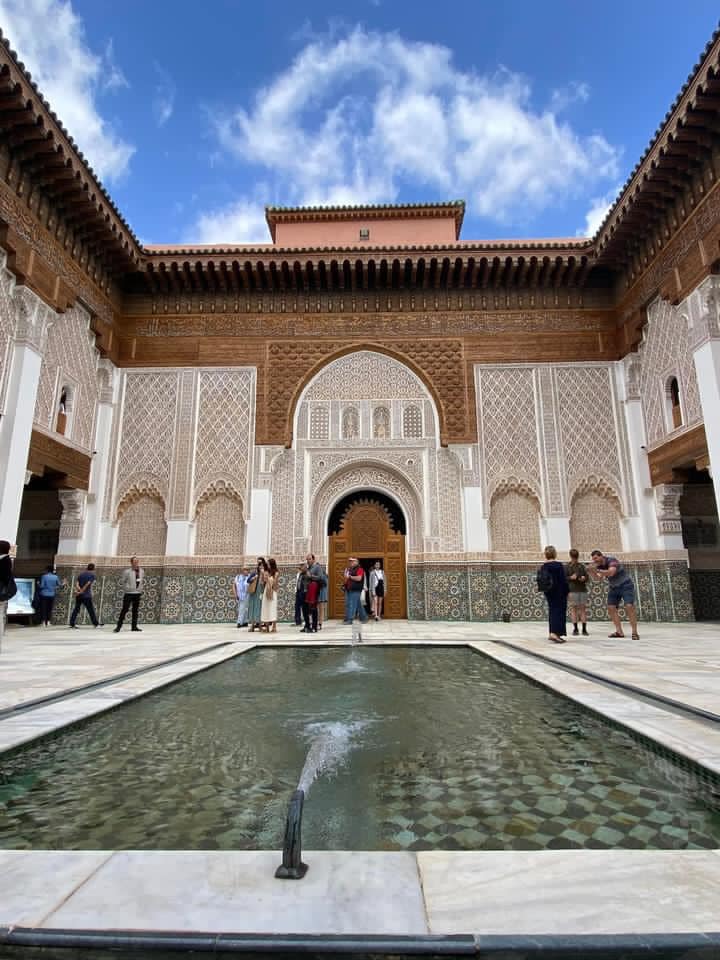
(366, 532)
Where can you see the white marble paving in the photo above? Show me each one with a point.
(34, 883)
(571, 892)
(355, 893)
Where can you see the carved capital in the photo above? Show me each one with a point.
(702, 309)
(105, 371)
(33, 319)
(632, 377)
(667, 507)
(73, 504)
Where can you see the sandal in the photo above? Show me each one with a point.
(635, 636)
(554, 639)
(616, 634)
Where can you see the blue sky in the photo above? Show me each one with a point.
(198, 115)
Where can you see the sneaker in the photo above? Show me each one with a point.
(136, 630)
(584, 631)
(116, 630)
(73, 627)
(575, 631)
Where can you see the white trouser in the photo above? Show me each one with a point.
(242, 611)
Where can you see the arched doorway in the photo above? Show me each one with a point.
(370, 526)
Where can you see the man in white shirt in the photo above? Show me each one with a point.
(132, 582)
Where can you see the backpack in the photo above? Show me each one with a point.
(8, 590)
(544, 580)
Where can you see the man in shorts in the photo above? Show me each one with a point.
(620, 588)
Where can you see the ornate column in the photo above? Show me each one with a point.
(96, 539)
(32, 320)
(702, 308)
(669, 522)
(555, 525)
(180, 529)
(72, 521)
(642, 534)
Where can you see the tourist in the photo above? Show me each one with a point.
(551, 580)
(620, 588)
(314, 579)
(300, 593)
(8, 588)
(256, 585)
(83, 596)
(132, 582)
(377, 590)
(577, 577)
(268, 610)
(322, 597)
(240, 592)
(49, 586)
(354, 584)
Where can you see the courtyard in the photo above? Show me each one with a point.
(663, 688)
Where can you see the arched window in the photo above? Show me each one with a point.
(412, 421)
(674, 397)
(381, 423)
(219, 526)
(350, 424)
(62, 416)
(514, 523)
(319, 423)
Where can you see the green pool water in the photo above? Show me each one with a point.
(427, 748)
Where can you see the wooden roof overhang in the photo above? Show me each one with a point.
(45, 162)
(242, 270)
(676, 170)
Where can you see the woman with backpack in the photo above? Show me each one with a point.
(552, 582)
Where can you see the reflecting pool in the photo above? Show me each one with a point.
(400, 747)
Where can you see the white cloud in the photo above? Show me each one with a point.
(241, 222)
(164, 96)
(357, 118)
(49, 39)
(599, 209)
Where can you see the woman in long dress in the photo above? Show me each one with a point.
(255, 597)
(268, 613)
(377, 590)
(556, 595)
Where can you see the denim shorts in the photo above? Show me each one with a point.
(623, 591)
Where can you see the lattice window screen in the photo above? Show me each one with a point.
(220, 529)
(412, 421)
(143, 530)
(595, 523)
(514, 523)
(319, 423)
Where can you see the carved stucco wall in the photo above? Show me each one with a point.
(7, 325)
(186, 436)
(70, 359)
(143, 529)
(547, 432)
(595, 521)
(664, 353)
(226, 418)
(337, 448)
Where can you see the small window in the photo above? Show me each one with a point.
(412, 421)
(675, 403)
(364, 233)
(63, 409)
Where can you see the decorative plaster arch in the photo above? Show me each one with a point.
(602, 486)
(365, 475)
(134, 490)
(516, 485)
(369, 347)
(220, 486)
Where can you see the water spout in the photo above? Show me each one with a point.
(292, 867)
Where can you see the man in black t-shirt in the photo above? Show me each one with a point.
(83, 596)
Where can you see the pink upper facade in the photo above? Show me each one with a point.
(432, 224)
(381, 233)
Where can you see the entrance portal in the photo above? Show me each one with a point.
(370, 526)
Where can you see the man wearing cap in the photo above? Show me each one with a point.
(354, 582)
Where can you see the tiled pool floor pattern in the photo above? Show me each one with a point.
(552, 891)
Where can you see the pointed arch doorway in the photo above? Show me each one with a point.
(370, 526)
